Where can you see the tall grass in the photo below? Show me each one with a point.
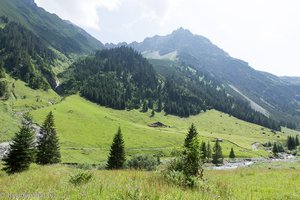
(257, 182)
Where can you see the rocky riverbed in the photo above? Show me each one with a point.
(237, 163)
(4, 146)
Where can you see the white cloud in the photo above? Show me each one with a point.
(263, 33)
(80, 12)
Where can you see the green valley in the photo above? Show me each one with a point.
(169, 117)
(86, 131)
(21, 99)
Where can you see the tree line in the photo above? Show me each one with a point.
(25, 56)
(121, 78)
(291, 145)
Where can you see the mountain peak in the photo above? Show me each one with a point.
(182, 31)
(182, 41)
(30, 2)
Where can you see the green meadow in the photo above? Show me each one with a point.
(21, 99)
(269, 181)
(86, 131)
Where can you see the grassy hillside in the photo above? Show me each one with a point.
(274, 181)
(21, 99)
(86, 131)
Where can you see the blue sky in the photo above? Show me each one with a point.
(264, 33)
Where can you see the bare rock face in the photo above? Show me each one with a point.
(4, 148)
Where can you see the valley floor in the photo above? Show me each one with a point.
(86, 129)
(277, 180)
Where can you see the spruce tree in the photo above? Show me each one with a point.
(159, 105)
(203, 150)
(291, 143)
(48, 151)
(297, 140)
(192, 159)
(152, 113)
(217, 154)
(231, 154)
(22, 151)
(2, 71)
(145, 107)
(275, 149)
(280, 147)
(190, 135)
(116, 159)
(208, 152)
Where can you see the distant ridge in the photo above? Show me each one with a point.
(278, 96)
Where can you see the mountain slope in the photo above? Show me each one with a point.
(25, 56)
(60, 34)
(86, 131)
(19, 99)
(36, 45)
(121, 78)
(277, 97)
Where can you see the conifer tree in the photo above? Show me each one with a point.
(48, 151)
(297, 141)
(280, 147)
(275, 149)
(116, 159)
(291, 143)
(203, 150)
(22, 151)
(217, 154)
(2, 70)
(152, 113)
(192, 159)
(145, 107)
(190, 135)
(159, 105)
(208, 152)
(231, 154)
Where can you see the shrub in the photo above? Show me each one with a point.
(142, 162)
(4, 91)
(178, 177)
(102, 166)
(175, 177)
(80, 178)
(84, 166)
(186, 169)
